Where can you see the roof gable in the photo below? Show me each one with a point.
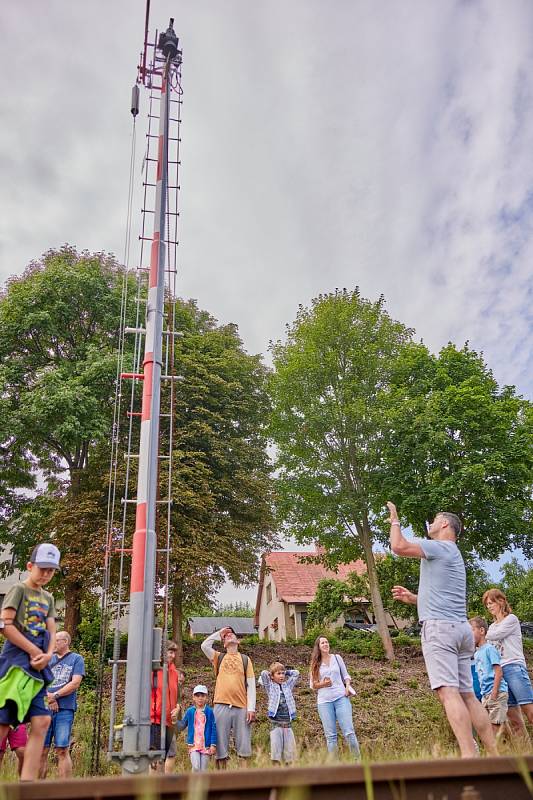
(296, 580)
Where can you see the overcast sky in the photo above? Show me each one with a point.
(325, 144)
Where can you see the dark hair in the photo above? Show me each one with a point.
(453, 521)
(481, 623)
(171, 645)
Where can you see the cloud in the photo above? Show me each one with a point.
(385, 145)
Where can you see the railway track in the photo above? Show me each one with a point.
(443, 779)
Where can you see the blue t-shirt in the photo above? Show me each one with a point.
(442, 587)
(486, 657)
(63, 670)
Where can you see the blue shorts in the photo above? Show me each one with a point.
(38, 708)
(60, 728)
(519, 683)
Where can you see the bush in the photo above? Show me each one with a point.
(364, 644)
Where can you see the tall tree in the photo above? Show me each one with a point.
(328, 423)
(221, 516)
(517, 583)
(459, 442)
(59, 327)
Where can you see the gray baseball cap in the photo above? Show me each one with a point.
(46, 555)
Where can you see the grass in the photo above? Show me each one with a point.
(396, 715)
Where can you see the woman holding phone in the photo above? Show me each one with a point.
(329, 678)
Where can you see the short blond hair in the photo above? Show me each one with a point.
(276, 666)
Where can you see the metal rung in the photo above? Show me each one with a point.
(132, 375)
(151, 239)
(134, 330)
(156, 136)
(172, 378)
(166, 502)
(125, 501)
(156, 116)
(153, 185)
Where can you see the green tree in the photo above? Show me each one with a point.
(235, 610)
(221, 515)
(331, 599)
(458, 442)
(329, 422)
(59, 329)
(517, 583)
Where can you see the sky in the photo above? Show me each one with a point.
(385, 145)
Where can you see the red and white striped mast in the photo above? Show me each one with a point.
(135, 755)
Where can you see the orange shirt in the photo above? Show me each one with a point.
(230, 686)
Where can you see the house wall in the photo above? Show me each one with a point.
(271, 611)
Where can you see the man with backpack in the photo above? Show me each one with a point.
(234, 700)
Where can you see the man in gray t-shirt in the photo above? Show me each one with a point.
(447, 640)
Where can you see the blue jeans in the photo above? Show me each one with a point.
(338, 711)
(60, 728)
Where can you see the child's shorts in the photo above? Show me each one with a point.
(282, 744)
(519, 684)
(497, 709)
(17, 737)
(38, 708)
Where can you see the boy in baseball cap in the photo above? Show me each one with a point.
(199, 719)
(28, 620)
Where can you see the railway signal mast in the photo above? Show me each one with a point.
(143, 540)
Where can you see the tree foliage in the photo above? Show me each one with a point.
(59, 328)
(460, 442)
(517, 583)
(329, 422)
(221, 515)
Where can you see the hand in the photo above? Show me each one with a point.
(326, 683)
(175, 713)
(224, 631)
(493, 696)
(392, 511)
(251, 717)
(212, 750)
(347, 690)
(403, 595)
(53, 705)
(39, 662)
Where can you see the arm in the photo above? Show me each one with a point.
(403, 595)
(503, 629)
(13, 635)
(40, 661)
(292, 676)
(498, 674)
(265, 680)
(72, 686)
(316, 685)
(250, 698)
(399, 545)
(207, 645)
(181, 724)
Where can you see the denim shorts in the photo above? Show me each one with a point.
(519, 684)
(60, 728)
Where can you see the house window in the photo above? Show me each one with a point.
(269, 593)
(303, 619)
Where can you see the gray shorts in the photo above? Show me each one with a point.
(282, 744)
(448, 648)
(230, 719)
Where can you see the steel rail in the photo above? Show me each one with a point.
(454, 779)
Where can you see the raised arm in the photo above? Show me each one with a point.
(399, 545)
(207, 645)
(403, 595)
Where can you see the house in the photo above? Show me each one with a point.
(288, 583)
(204, 626)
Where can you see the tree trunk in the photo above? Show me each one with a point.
(375, 594)
(177, 621)
(73, 592)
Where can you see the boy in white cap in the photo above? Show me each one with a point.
(199, 719)
(28, 621)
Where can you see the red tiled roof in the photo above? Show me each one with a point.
(297, 580)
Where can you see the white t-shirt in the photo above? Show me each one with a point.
(506, 636)
(336, 670)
